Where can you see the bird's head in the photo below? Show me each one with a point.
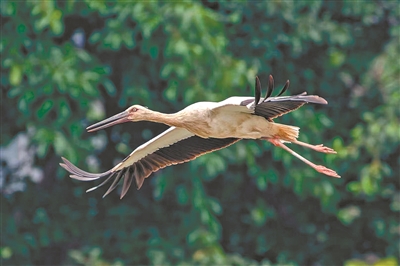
(137, 113)
(132, 114)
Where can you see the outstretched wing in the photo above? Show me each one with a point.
(173, 146)
(268, 108)
(272, 107)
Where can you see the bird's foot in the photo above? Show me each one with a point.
(276, 142)
(322, 169)
(324, 149)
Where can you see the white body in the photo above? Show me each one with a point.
(227, 119)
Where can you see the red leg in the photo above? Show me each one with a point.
(319, 168)
(319, 148)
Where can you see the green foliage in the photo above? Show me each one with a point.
(68, 64)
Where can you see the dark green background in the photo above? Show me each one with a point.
(68, 64)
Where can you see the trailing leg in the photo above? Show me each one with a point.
(319, 148)
(319, 168)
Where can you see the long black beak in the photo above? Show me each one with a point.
(114, 120)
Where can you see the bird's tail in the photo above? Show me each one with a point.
(286, 133)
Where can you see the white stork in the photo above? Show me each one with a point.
(201, 128)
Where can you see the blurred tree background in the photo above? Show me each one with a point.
(68, 64)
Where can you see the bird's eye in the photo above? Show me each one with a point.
(134, 109)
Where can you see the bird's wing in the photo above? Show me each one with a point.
(270, 107)
(273, 107)
(173, 146)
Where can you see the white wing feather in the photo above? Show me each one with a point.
(165, 139)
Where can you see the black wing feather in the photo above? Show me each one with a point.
(284, 88)
(257, 89)
(270, 87)
(115, 182)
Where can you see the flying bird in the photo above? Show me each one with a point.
(201, 128)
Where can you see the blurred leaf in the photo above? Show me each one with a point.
(6, 252)
(390, 261)
(45, 108)
(15, 75)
